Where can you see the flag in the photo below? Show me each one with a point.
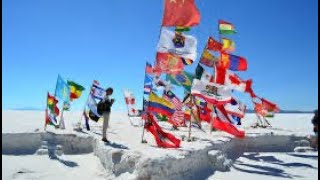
(52, 104)
(226, 28)
(232, 80)
(233, 62)
(180, 13)
(159, 105)
(97, 92)
(66, 106)
(177, 43)
(144, 104)
(234, 119)
(50, 119)
(92, 105)
(208, 59)
(269, 105)
(182, 29)
(235, 108)
(183, 79)
(86, 119)
(62, 89)
(220, 74)
(130, 102)
(161, 117)
(205, 114)
(259, 109)
(170, 96)
(211, 92)
(227, 45)
(161, 84)
(149, 69)
(187, 114)
(168, 63)
(200, 102)
(163, 139)
(147, 84)
(202, 75)
(213, 45)
(75, 90)
(186, 61)
(177, 119)
(223, 123)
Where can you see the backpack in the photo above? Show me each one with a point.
(93, 116)
(101, 107)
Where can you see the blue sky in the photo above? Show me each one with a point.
(110, 41)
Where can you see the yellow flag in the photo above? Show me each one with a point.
(228, 45)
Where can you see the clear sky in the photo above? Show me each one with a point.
(110, 41)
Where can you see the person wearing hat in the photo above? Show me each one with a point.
(104, 109)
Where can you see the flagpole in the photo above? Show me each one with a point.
(45, 122)
(61, 117)
(127, 109)
(55, 94)
(84, 107)
(145, 110)
(215, 72)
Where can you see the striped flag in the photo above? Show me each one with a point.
(97, 91)
(177, 118)
(169, 96)
(226, 27)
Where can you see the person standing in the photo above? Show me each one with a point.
(104, 109)
(315, 122)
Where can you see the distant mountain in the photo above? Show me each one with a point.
(29, 109)
(294, 111)
(284, 111)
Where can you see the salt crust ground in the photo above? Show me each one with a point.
(132, 159)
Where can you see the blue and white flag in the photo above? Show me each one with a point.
(62, 90)
(92, 105)
(97, 91)
(147, 84)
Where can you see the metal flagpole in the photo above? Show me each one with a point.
(127, 109)
(145, 110)
(79, 122)
(55, 94)
(61, 124)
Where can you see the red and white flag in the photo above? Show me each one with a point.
(211, 92)
(163, 139)
(233, 81)
(223, 123)
(130, 102)
(235, 108)
(177, 119)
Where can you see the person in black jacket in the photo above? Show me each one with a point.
(315, 122)
(104, 109)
